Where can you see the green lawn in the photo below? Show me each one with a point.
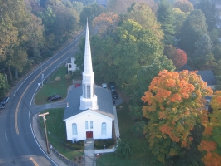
(56, 84)
(57, 135)
(140, 155)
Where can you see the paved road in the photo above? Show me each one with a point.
(17, 143)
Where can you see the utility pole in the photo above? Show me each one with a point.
(46, 135)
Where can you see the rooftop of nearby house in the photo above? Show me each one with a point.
(104, 98)
(207, 76)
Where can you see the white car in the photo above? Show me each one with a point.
(104, 85)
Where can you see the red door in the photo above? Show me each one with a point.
(89, 134)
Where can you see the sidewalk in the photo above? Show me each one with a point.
(41, 143)
(89, 157)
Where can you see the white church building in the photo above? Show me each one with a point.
(89, 112)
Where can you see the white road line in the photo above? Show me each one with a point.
(32, 98)
(6, 137)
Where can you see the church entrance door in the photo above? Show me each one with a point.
(89, 134)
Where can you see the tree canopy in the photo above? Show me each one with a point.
(173, 107)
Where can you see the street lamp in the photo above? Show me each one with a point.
(46, 136)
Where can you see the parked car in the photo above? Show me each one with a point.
(54, 98)
(2, 106)
(112, 86)
(4, 101)
(114, 95)
(104, 85)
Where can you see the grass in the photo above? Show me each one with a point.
(57, 84)
(140, 155)
(57, 135)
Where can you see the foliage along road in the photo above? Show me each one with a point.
(18, 145)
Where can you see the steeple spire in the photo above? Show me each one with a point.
(88, 100)
(87, 53)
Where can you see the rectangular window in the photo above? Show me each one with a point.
(86, 125)
(103, 128)
(74, 129)
(88, 92)
(91, 125)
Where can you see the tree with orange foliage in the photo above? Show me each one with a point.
(211, 142)
(105, 21)
(173, 106)
(177, 55)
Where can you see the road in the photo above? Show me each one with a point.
(17, 143)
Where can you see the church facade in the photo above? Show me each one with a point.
(89, 111)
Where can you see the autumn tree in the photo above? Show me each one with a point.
(173, 107)
(184, 5)
(211, 143)
(177, 55)
(105, 21)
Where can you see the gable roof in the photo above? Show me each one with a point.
(207, 76)
(104, 99)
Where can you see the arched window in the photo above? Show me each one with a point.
(103, 128)
(74, 129)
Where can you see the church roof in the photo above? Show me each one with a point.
(104, 98)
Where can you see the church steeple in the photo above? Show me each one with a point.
(88, 100)
(87, 53)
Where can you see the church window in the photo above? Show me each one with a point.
(86, 125)
(103, 128)
(91, 125)
(88, 92)
(74, 129)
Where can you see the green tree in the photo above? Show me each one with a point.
(179, 18)
(173, 107)
(119, 6)
(165, 17)
(193, 28)
(143, 14)
(203, 52)
(209, 9)
(3, 85)
(184, 5)
(90, 12)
